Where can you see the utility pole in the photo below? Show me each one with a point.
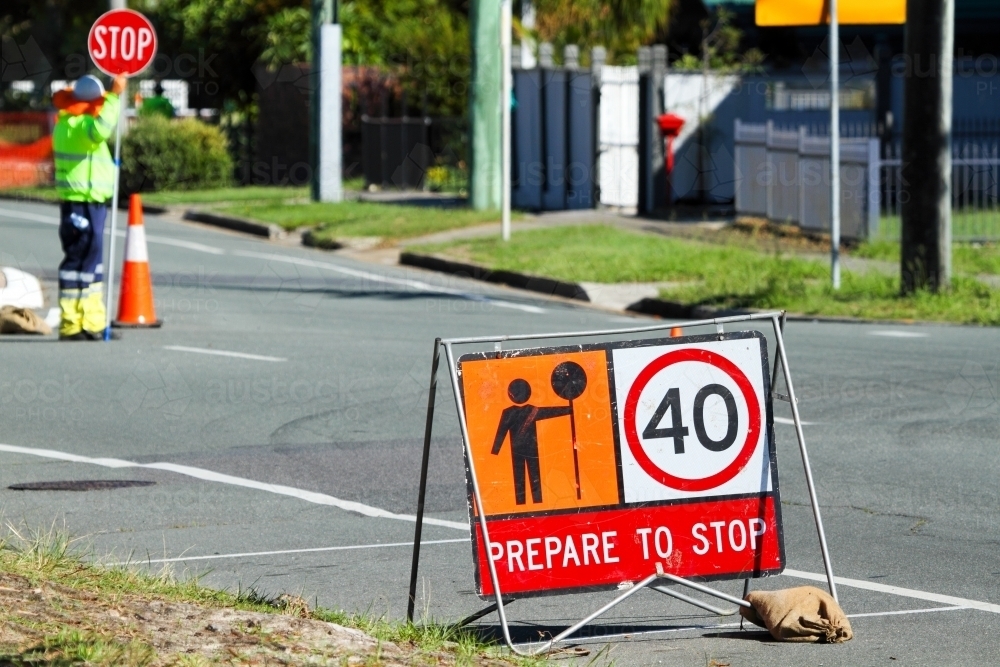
(834, 146)
(926, 171)
(485, 152)
(325, 144)
(505, 100)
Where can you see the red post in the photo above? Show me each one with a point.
(670, 126)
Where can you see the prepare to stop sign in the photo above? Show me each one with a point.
(122, 41)
(596, 462)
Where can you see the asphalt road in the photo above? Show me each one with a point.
(902, 428)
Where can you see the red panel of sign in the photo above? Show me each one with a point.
(714, 540)
(596, 462)
(122, 41)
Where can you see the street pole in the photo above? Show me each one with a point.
(118, 4)
(505, 102)
(485, 154)
(110, 274)
(324, 146)
(926, 169)
(834, 146)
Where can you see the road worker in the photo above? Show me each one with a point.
(85, 179)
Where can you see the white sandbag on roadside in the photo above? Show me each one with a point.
(20, 289)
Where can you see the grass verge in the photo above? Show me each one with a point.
(727, 276)
(967, 258)
(353, 219)
(56, 609)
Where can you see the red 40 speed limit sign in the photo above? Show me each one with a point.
(597, 462)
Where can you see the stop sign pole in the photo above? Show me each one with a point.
(121, 42)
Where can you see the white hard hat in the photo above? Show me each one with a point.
(88, 88)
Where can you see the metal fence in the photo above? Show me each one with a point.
(402, 152)
(975, 170)
(784, 176)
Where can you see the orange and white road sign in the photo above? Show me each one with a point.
(597, 461)
(817, 12)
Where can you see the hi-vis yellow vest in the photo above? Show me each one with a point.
(85, 170)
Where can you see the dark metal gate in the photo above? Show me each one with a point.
(554, 128)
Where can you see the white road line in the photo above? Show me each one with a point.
(904, 612)
(24, 215)
(365, 275)
(211, 476)
(285, 551)
(223, 353)
(899, 334)
(190, 245)
(785, 420)
(896, 590)
(403, 282)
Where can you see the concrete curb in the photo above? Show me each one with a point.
(511, 278)
(243, 225)
(673, 310)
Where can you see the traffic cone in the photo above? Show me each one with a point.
(135, 302)
(676, 332)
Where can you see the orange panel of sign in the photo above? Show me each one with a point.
(817, 12)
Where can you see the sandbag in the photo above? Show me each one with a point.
(803, 614)
(15, 320)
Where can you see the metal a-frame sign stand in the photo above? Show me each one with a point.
(654, 580)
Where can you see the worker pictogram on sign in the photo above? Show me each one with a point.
(543, 431)
(619, 465)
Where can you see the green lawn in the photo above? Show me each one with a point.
(723, 276)
(971, 259)
(351, 218)
(966, 225)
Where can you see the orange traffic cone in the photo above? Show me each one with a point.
(676, 332)
(135, 303)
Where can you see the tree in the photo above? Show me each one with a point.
(621, 26)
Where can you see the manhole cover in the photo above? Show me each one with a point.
(80, 485)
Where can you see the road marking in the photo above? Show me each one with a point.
(896, 590)
(24, 215)
(284, 551)
(785, 420)
(190, 245)
(211, 476)
(904, 612)
(899, 334)
(403, 282)
(223, 353)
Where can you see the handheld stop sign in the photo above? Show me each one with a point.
(122, 41)
(596, 462)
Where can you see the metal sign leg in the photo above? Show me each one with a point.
(805, 458)
(422, 494)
